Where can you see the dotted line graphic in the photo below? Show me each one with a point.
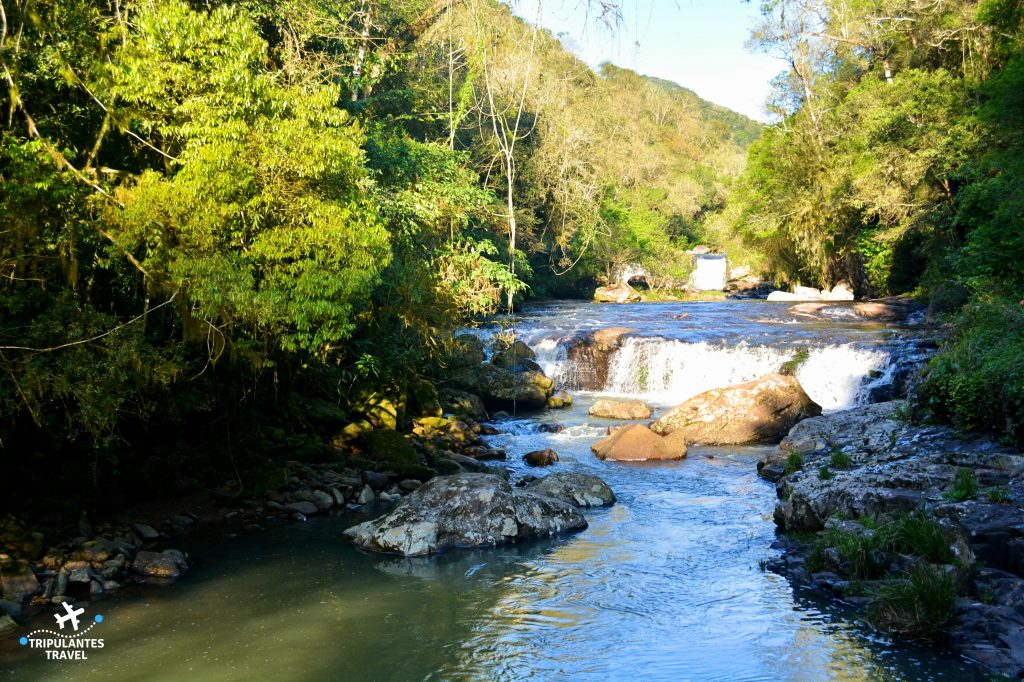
(97, 620)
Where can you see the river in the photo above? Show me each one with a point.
(664, 585)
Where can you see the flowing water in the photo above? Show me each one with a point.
(665, 585)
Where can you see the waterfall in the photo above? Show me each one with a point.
(667, 372)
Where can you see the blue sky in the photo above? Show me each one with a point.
(696, 43)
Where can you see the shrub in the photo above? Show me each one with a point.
(824, 474)
(794, 463)
(916, 534)
(918, 604)
(965, 487)
(976, 380)
(840, 460)
(858, 551)
(999, 495)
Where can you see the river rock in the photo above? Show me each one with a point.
(462, 404)
(620, 409)
(541, 458)
(758, 411)
(7, 625)
(576, 488)
(870, 427)
(559, 399)
(157, 564)
(464, 510)
(617, 293)
(302, 507)
(511, 355)
(466, 350)
(590, 354)
(17, 581)
(636, 442)
(146, 532)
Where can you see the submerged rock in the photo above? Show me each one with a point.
(465, 510)
(636, 442)
(758, 411)
(579, 489)
(620, 409)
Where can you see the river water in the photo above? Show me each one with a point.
(664, 585)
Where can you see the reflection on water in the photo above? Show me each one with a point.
(665, 585)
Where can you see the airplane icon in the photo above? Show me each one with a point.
(72, 615)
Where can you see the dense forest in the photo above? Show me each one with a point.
(898, 165)
(230, 228)
(260, 220)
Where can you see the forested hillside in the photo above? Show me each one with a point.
(897, 165)
(261, 219)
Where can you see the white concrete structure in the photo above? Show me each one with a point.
(710, 272)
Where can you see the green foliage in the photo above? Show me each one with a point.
(965, 486)
(977, 378)
(824, 473)
(840, 460)
(915, 534)
(859, 552)
(919, 604)
(794, 463)
(998, 495)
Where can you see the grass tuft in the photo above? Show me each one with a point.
(919, 604)
(965, 487)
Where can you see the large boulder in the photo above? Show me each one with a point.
(620, 409)
(576, 488)
(513, 354)
(758, 411)
(466, 350)
(17, 581)
(465, 510)
(617, 293)
(636, 442)
(871, 428)
(590, 354)
(463, 404)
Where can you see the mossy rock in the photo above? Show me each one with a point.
(424, 399)
(323, 414)
(447, 466)
(385, 445)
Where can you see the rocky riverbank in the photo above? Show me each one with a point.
(920, 526)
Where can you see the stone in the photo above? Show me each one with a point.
(81, 576)
(386, 445)
(636, 442)
(302, 507)
(467, 351)
(7, 624)
(617, 293)
(11, 608)
(409, 484)
(620, 409)
(511, 355)
(590, 353)
(842, 291)
(156, 565)
(559, 400)
(464, 510)
(872, 428)
(146, 532)
(322, 500)
(366, 495)
(574, 487)
(758, 411)
(17, 581)
(541, 458)
(463, 404)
